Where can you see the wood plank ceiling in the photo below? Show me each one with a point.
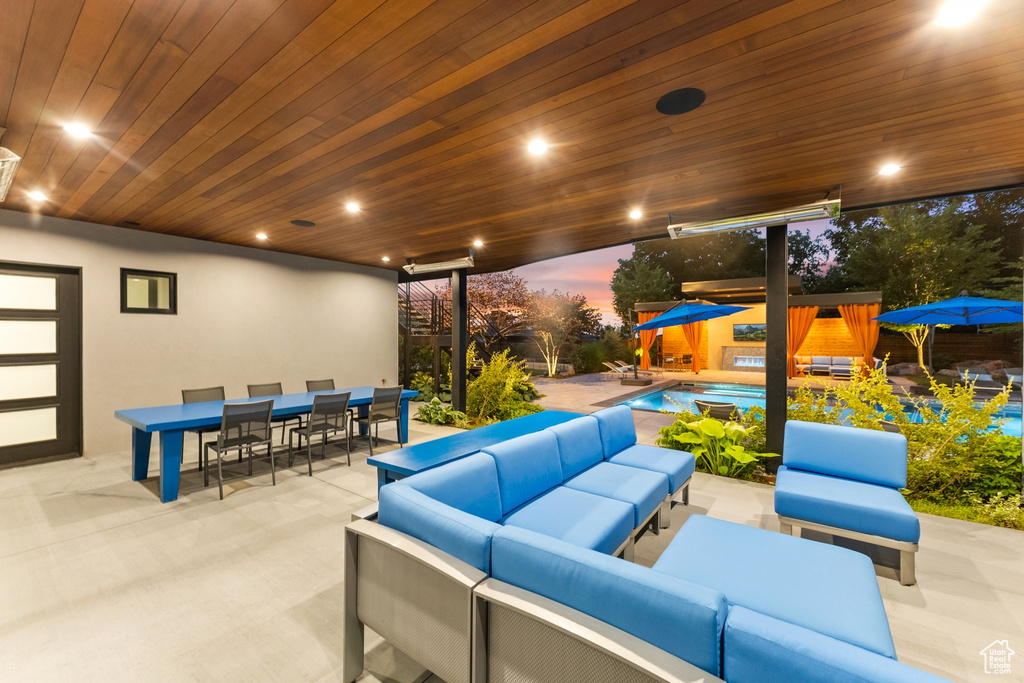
(219, 119)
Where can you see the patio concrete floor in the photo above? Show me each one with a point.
(99, 581)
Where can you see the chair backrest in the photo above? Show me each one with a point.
(386, 403)
(873, 456)
(329, 411)
(715, 409)
(257, 390)
(246, 423)
(612, 367)
(202, 395)
(319, 384)
(975, 374)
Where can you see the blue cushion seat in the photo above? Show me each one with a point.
(680, 617)
(821, 587)
(876, 457)
(678, 466)
(760, 649)
(643, 489)
(469, 484)
(583, 519)
(579, 444)
(853, 505)
(618, 432)
(527, 467)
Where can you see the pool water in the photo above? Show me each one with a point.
(745, 396)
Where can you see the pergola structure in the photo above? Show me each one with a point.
(380, 132)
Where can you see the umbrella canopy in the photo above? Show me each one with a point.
(684, 314)
(963, 310)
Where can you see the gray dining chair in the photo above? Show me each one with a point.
(386, 406)
(243, 426)
(319, 385)
(202, 396)
(716, 409)
(273, 389)
(329, 416)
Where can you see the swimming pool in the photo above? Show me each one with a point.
(747, 396)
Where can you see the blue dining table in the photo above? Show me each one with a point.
(171, 422)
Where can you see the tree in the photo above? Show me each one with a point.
(807, 257)
(916, 254)
(557, 321)
(637, 279)
(499, 302)
(718, 256)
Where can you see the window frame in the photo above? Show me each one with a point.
(172, 308)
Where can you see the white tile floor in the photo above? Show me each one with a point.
(99, 581)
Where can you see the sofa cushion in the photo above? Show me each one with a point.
(527, 466)
(583, 519)
(868, 455)
(677, 465)
(821, 360)
(469, 484)
(643, 489)
(458, 533)
(617, 429)
(680, 617)
(853, 505)
(760, 649)
(824, 588)
(842, 361)
(579, 444)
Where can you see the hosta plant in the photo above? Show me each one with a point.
(718, 447)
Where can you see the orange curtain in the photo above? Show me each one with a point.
(799, 320)
(693, 333)
(864, 330)
(647, 338)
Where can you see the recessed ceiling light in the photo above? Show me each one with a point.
(636, 213)
(889, 169)
(78, 130)
(261, 236)
(37, 196)
(352, 207)
(478, 243)
(385, 259)
(956, 13)
(680, 101)
(299, 223)
(537, 147)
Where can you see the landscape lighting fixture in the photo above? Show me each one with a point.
(454, 264)
(889, 169)
(635, 214)
(537, 147)
(78, 130)
(8, 165)
(957, 13)
(37, 196)
(827, 208)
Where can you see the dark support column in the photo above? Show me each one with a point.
(406, 339)
(777, 292)
(460, 338)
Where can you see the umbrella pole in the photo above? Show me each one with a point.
(632, 343)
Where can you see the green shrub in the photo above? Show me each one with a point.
(1002, 512)
(437, 413)
(500, 392)
(588, 357)
(718, 447)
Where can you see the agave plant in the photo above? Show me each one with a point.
(717, 446)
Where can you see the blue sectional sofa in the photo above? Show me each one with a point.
(850, 489)
(499, 566)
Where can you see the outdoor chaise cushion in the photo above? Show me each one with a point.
(825, 588)
(458, 533)
(760, 649)
(579, 448)
(618, 439)
(680, 617)
(876, 457)
(853, 505)
(583, 519)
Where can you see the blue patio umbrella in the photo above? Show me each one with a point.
(963, 310)
(687, 313)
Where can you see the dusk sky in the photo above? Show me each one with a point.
(590, 273)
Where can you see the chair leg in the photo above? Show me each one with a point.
(348, 445)
(908, 573)
(206, 472)
(290, 435)
(220, 475)
(786, 528)
(309, 453)
(270, 452)
(199, 436)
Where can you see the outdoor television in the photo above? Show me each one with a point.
(748, 332)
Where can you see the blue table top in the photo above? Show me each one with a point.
(424, 456)
(208, 414)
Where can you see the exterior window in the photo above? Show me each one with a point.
(146, 291)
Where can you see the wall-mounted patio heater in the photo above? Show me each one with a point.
(827, 208)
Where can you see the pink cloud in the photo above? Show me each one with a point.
(589, 273)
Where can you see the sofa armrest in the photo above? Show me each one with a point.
(762, 649)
